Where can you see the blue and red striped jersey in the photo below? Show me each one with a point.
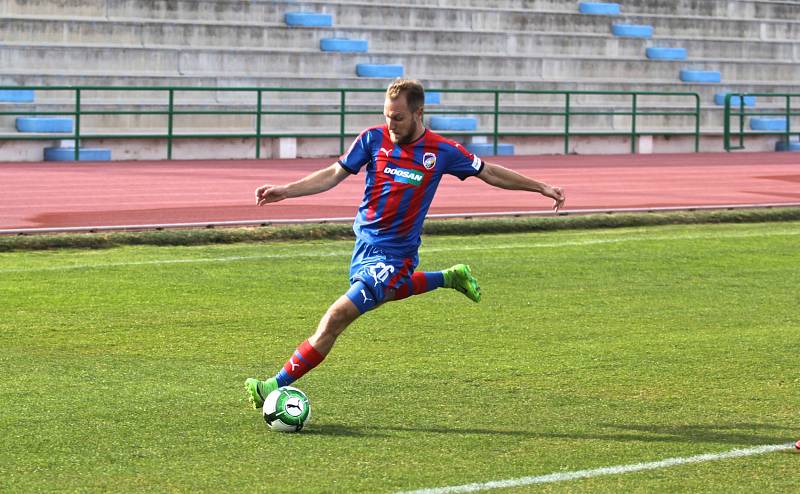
(400, 185)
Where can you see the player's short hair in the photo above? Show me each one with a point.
(412, 88)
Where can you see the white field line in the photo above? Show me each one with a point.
(424, 250)
(597, 472)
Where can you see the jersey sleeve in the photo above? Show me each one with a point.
(461, 163)
(358, 155)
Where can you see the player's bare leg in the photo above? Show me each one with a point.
(336, 319)
(309, 354)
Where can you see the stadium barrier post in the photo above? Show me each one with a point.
(566, 121)
(77, 149)
(633, 123)
(258, 123)
(741, 121)
(342, 114)
(726, 124)
(788, 118)
(696, 123)
(170, 115)
(496, 119)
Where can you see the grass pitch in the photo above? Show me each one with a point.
(122, 369)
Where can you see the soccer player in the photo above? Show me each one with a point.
(404, 163)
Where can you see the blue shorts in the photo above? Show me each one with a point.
(373, 273)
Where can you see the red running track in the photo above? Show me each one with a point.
(54, 195)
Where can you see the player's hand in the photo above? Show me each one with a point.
(270, 193)
(558, 196)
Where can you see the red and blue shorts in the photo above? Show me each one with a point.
(375, 273)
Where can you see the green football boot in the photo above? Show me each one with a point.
(257, 391)
(460, 278)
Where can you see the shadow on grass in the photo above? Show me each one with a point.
(735, 434)
(344, 431)
(385, 431)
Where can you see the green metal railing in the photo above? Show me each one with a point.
(171, 110)
(742, 113)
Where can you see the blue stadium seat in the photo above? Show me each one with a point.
(433, 98)
(632, 30)
(343, 45)
(487, 149)
(84, 154)
(308, 19)
(719, 99)
(453, 123)
(379, 70)
(16, 95)
(598, 8)
(688, 75)
(655, 53)
(787, 146)
(771, 124)
(55, 125)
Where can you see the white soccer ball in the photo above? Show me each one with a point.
(287, 409)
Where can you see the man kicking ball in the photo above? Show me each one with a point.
(404, 163)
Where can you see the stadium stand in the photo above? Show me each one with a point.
(745, 45)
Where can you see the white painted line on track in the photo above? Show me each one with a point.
(597, 472)
(423, 250)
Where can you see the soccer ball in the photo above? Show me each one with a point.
(286, 409)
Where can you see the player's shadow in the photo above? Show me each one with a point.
(383, 431)
(343, 430)
(736, 434)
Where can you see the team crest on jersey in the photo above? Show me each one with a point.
(429, 161)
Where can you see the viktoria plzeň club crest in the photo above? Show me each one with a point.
(429, 161)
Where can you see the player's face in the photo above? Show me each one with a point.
(404, 126)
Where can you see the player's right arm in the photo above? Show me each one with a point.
(317, 182)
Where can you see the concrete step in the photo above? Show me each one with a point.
(751, 9)
(200, 62)
(422, 16)
(523, 20)
(242, 11)
(65, 8)
(228, 35)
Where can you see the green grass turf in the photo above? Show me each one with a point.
(122, 369)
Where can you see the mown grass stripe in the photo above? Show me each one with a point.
(424, 250)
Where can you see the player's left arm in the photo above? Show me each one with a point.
(502, 177)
